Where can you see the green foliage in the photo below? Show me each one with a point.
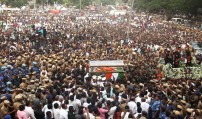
(14, 3)
(83, 3)
(170, 6)
(108, 2)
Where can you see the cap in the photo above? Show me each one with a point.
(3, 98)
(121, 89)
(141, 84)
(94, 91)
(179, 107)
(116, 86)
(183, 102)
(176, 112)
(6, 102)
(18, 97)
(189, 110)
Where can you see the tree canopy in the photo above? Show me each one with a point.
(170, 6)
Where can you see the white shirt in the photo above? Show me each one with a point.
(56, 113)
(137, 99)
(59, 103)
(145, 106)
(63, 114)
(148, 100)
(78, 102)
(126, 115)
(132, 106)
(85, 104)
(30, 112)
(111, 112)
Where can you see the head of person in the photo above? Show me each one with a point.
(50, 106)
(99, 105)
(88, 100)
(90, 108)
(48, 114)
(127, 108)
(139, 110)
(56, 105)
(71, 109)
(80, 110)
(64, 106)
(22, 107)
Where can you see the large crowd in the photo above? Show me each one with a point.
(45, 67)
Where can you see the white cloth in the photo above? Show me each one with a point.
(137, 99)
(56, 113)
(145, 106)
(59, 103)
(63, 114)
(30, 112)
(111, 112)
(125, 116)
(85, 104)
(132, 106)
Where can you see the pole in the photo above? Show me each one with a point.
(80, 4)
(132, 4)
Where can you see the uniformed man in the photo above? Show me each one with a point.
(188, 56)
(5, 108)
(36, 69)
(176, 58)
(18, 101)
(25, 70)
(23, 85)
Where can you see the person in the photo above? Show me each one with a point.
(5, 109)
(48, 115)
(102, 111)
(132, 105)
(112, 110)
(89, 112)
(29, 110)
(21, 114)
(71, 114)
(56, 111)
(176, 58)
(155, 107)
(63, 112)
(144, 105)
(188, 56)
(49, 108)
(168, 57)
(80, 115)
(126, 113)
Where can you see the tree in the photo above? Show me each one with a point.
(14, 3)
(170, 6)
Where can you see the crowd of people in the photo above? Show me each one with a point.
(45, 67)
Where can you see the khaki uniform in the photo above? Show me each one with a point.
(16, 105)
(4, 111)
(13, 97)
(31, 86)
(23, 85)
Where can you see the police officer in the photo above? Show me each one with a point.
(36, 69)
